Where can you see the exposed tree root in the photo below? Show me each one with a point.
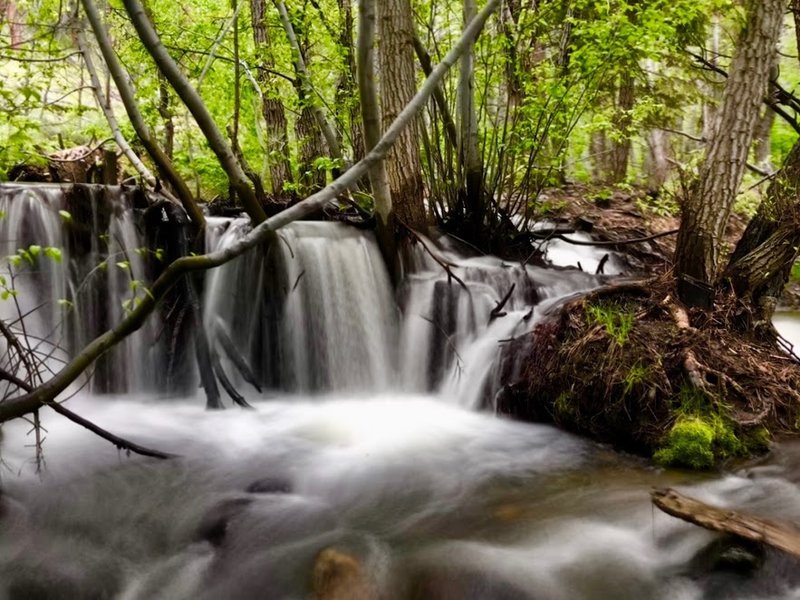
(628, 365)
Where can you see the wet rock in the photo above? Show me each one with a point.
(729, 553)
(339, 576)
(213, 527)
(270, 485)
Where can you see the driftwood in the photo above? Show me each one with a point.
(783, 536)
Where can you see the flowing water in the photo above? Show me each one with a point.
(367, 440)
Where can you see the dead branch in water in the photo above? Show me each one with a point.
(784, 536)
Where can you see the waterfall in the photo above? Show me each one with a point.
(314, 312)
(82, 287)
(317, 313)
(453, 330)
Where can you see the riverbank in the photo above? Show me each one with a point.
(630, 366)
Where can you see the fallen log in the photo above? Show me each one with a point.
(782, 535)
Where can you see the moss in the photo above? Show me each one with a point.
(757, 441)
(563, 408)
(689, 444)
(701, 441)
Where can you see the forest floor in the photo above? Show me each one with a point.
(629, 365)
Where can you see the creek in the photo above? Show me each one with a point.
(374, 437)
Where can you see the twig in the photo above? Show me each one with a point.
(119, 442)
(446, 266)
(559, 236)
(497, 311)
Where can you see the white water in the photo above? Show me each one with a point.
(67, 303)
(434, 502)
(363, 443)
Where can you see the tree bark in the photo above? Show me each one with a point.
(397, 83)
(370, 112)
(620, 150)
(706, 211)
(272, 109)
(762, 261)
(471, 164)
(236, 175)
(165, 167)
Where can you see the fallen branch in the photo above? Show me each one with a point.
(550, 235)
(119, 442)
(222, 336)
(446, 266)
(497, 311)
(783, 536)
(226, 383)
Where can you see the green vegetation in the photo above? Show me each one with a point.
(616, 320)
(703, 434)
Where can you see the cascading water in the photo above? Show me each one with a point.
(84, 287)
(360, 474)
(314, 313)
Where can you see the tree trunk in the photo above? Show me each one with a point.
(370, 111)
(472, 166)
(599, 153)
(620, 150)
(304, 84)
(658, 158)
(312, 147)
(762, 145)
(762, 261)
(280, 169)
(706, 211)
(398, 84)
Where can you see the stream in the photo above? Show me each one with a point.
(373, 438)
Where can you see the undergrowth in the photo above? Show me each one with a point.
(616, 320)
(618, 366)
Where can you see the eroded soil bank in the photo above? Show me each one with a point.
(629, 365)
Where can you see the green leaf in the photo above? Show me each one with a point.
(53, 253)
(65, 215)
(124, 265)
